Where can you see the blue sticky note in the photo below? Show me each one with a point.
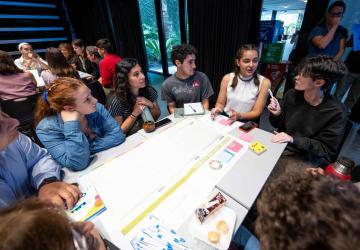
(225, 156)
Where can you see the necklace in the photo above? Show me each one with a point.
(246, 79)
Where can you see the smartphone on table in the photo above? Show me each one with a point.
(248, 126)
(162, 122)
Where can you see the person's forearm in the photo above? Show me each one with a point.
(339, 54)
(325, 40)
(128, 123)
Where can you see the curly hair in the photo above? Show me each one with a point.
(301, 211)
(239, 55)
(323, 67)
(122, 85)
(7, 65)
(180, 52)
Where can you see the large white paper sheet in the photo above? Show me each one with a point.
(142, 177)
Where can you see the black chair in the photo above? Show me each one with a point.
(97, 91)
(348, 127)
(23, 110)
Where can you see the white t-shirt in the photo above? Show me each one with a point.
(243, 97)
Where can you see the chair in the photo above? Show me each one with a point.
(97, 91)
(23, 110)
(348, 127)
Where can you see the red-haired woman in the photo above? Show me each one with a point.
(71, 124)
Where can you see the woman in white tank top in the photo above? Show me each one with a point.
(243, 93)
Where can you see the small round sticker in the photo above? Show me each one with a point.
(215, 164)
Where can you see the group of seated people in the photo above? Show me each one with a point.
(72, 125)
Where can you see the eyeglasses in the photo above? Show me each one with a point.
(336, 14)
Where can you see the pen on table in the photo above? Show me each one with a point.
(270, 93)
(192, 108)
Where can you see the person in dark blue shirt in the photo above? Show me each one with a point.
(329, 37)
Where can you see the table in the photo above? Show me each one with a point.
(240, 190)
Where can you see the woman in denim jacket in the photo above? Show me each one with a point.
(72, 125)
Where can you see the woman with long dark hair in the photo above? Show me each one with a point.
(58, 66)
(82, 63)
(243, 93)
(132, 94)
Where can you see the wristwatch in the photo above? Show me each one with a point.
(48, 181)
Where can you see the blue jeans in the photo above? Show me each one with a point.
(245, 239)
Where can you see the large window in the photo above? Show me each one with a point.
(151, 35)
(170, 17)
(161, 30)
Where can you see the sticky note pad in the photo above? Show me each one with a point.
(246, 137)
(225, 156)
(225, 122)
(234, 146)
(257, 147)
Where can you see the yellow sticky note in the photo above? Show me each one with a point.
(257, 147)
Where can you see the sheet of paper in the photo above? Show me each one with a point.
(39, 80)
(195, 108)
(221, 123)
(168, 175)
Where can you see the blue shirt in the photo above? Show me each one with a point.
(69, 146)
(23, 167)
(332, 48)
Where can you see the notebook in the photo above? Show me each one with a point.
(195, 108)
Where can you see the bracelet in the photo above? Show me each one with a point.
(133, 116)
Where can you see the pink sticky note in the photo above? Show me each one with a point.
(234, 146)
(246, 137)
(225, 122)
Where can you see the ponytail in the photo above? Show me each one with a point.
(42, 109)
(59, 93)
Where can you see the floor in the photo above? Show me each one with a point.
(351, 147)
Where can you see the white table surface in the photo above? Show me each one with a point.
(241, 185)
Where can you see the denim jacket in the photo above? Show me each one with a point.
(69, 146)
(23, 167)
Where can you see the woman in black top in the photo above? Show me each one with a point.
(132, 94)
(81, 62)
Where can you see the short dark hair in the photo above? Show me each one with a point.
(301, 211)
(323, 67)
(336, 4)
(7, 65)
(180, 52)
(105, 44)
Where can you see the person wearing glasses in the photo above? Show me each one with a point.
(329, 37)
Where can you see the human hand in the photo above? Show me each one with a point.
(145, 102)
(234, 116)
(315, 171)
(274, 106)
(59, 192)
(282, 138)
(214, 112)
(93, 238)
(70, 115)
(137, 109)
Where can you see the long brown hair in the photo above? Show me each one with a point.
(7, 65)
(60, 93)
(36, 225)
(58, 64)
(239, 54)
